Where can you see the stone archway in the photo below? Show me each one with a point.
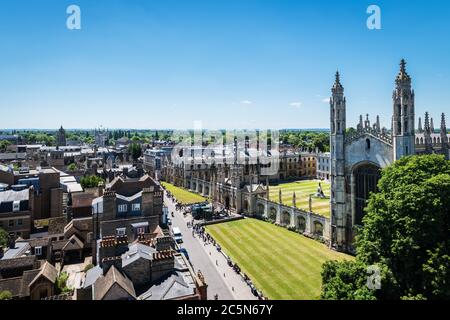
(285, 218)
(227, 202)
(246, 206)
(301, 224)
(365, 178)
(318, 228)
(260, 209)
(273, 214)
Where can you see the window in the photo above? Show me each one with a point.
(19, 222)
(136, 207)
(123, 208)
(38, 251)
(11, 223)
(367, 144)
(121, 231)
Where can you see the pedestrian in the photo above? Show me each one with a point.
(216, 263)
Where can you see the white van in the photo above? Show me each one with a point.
(177, 236)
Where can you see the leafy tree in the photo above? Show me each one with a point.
(135, 150)
(345, 281)
(5, 295)
(406, 232)
(3, 238)
(4, 144)
(72, 167)
(61, 283)
(90, 181)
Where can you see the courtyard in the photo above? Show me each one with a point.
(280, 263)
(182, 195)
(303, 189)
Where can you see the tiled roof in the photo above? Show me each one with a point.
(21, 262)
(56, 225)
(48, 271)
(105, 283)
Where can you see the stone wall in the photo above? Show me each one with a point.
(308, 223)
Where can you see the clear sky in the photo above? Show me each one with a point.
(228, 63)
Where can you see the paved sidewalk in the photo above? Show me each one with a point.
(239, 288)
(203, 256)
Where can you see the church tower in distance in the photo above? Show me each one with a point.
(403, 115)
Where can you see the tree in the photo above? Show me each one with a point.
(5, 295)
(406, 232)
(135, 150)
(61, 283)
(345, 281)
(4, 144)
(72, 167)
(3, 238)
(91, 181)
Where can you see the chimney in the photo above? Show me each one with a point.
(11, 241)
(101, 188)
(147, 201)
(109, 205)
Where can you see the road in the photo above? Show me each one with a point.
(221, 279)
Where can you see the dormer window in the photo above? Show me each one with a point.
(121, 232)
(123, 208)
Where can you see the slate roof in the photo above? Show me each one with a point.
(19, 249)
(137, 251)
(11, 195)
(92, 275)
(172, 287)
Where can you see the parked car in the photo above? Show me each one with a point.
(184, 251)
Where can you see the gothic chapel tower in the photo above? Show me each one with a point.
(337, 125)
(403, 115)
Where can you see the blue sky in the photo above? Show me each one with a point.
(229, 63)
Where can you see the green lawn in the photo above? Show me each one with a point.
(302, 190)
(281, 263)
(182, 195)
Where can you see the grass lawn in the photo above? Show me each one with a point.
(281, 263)
(182, 195)
(302, 190)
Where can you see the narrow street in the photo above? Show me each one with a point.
(221, 278)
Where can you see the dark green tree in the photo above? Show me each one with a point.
(135, 150)
(406, 232)
(3, 238)
(90, 181)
